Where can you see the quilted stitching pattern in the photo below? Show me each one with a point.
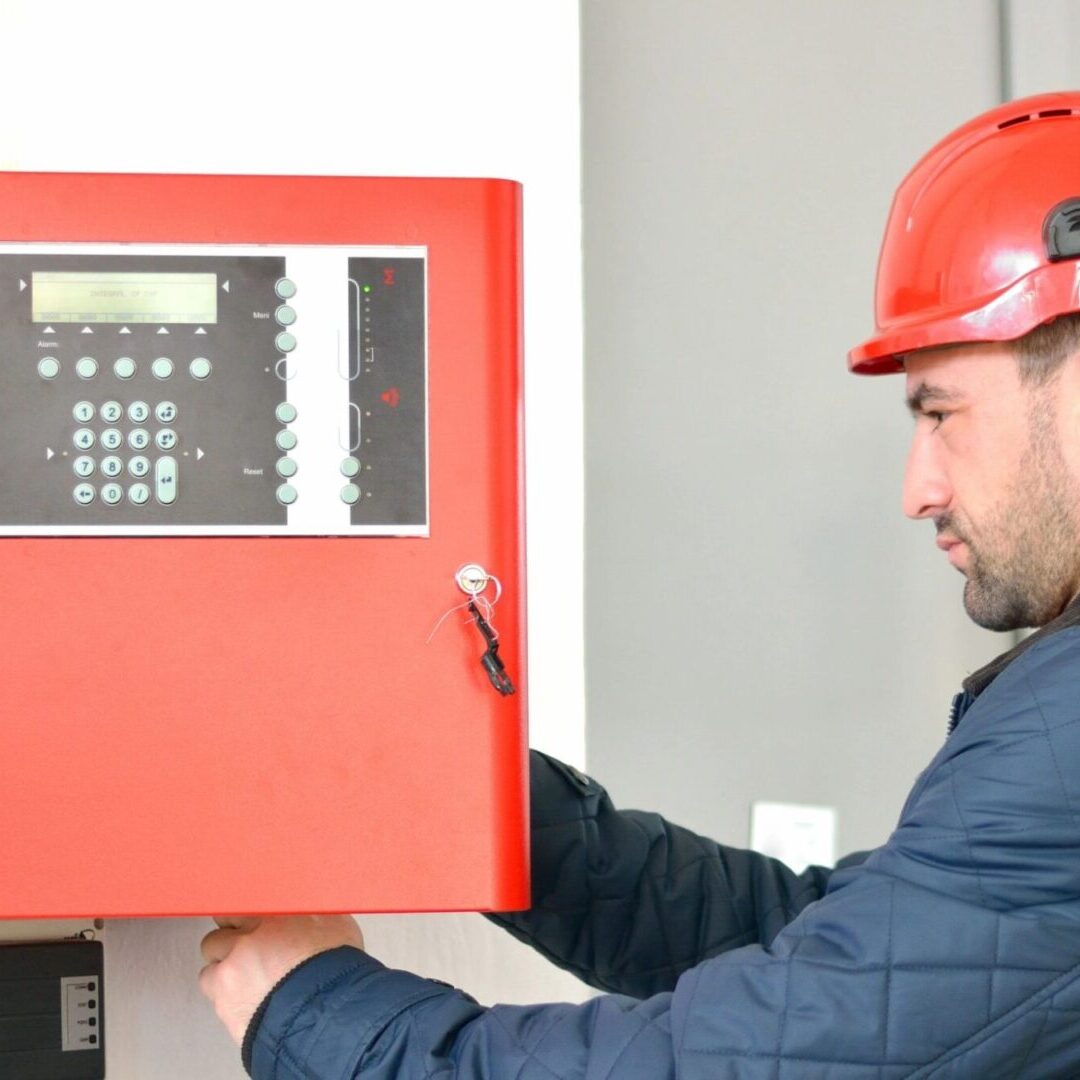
(951, 952)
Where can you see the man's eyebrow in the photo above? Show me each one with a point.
(925, 392)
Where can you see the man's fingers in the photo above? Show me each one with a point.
(245, 923)
(206, 980)
(218, 944)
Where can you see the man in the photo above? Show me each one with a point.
(951, 951)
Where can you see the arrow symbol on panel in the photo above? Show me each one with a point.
(86, 330)
(48, 330)
(49, 454)
(124, 330)
(225, 286)
(199, 455)
(22, 284)
(162, 330)
(200, 331)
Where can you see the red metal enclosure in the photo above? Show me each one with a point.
(260, 723)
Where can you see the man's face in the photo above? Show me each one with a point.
(996, 466)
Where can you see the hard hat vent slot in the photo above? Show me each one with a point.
(1039, 115)
(1061, 231)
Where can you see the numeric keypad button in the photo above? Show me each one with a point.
(84, 412)
(139, 466)
(165, 480)
(111, 467)
(84, 494)
(165, 412)
(139, 439)
(111, 411)
(84, 438)
(111, 494)
(112, 439)
(139, 494)
(138, 412)
(84, 466)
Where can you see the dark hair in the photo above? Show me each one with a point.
(1040, 353)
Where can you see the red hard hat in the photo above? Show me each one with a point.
(983, 237)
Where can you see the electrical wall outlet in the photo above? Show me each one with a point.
(799, 836)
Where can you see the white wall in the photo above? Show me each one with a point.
(475, 88)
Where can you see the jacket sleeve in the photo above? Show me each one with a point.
(951, 952)
(628, 902)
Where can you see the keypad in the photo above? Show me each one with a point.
(156, 478)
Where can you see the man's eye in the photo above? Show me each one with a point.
(937, 417)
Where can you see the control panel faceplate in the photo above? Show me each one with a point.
(213, 390)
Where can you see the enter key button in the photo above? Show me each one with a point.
(166, 481)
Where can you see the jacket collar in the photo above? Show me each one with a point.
(977, 682)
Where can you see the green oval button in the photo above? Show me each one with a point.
(287, 494)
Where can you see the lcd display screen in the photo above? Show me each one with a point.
(64, 296)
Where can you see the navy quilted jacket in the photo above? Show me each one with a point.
(952, 951)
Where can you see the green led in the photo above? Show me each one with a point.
(367, 288)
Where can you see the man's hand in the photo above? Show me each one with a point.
(247, 957)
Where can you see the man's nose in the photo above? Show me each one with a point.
(926, 487)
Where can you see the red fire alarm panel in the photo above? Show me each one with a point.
(262, 532)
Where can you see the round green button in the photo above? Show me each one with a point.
(285, 342)
(287, 494)
(285, 288)
(285, 412)
(286, 467)
(200, 368)
(124, 368)
(162, 367)
(138, 493)
(350, 467)
(86, 367)
(350, 493)
(285, 315)
(285, 440)
(48, 367)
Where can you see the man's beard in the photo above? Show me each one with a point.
(1022, 570)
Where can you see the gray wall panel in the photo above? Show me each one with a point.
(761, 621)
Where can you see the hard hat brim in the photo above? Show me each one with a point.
(1034, 299)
